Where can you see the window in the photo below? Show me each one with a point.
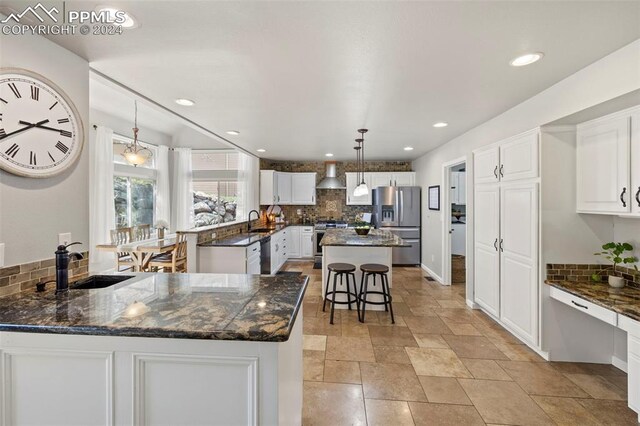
(215, 187)
(134, 187)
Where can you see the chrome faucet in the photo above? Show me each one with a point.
(63, 257)
(249, 217)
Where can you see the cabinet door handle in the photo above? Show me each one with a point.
(495, 244)
(495, 172)
(579, 305)
(624, 190)
(501, 242)
(278, 198)
(501, 170)
(638, 196)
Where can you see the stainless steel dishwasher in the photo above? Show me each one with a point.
(265, 256)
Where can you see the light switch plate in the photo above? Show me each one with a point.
(1, 255)
(64, 239)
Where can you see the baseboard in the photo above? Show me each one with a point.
(618, 363)
(431, 273)
(472, 304)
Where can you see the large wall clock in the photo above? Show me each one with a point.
(41, 131)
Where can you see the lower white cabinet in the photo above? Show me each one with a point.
(486, 250)
(306, 241)
(633, 371)
(229, 260)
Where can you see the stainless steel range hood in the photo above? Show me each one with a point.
(330, 181)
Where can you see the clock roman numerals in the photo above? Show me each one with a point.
(2, 133)
(13, 150)
(32, 159)
(63, 120)
(0, 116)
(62, 147)
(65, 133)
(35, 93)
(3, 101)
(51, 156)
(54, 104)
(15, 90)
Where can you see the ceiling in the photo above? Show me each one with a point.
(298, 78)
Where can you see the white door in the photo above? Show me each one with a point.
(603, 158)
(268, 187)
(306, 242)
(519, 157)
(284, 187)
(303, 188)
(253, 265)
(404, 178)
(293, 242)
(352, 182)
(486, 257)
(381, 179)
(635, 162)
(485, 165)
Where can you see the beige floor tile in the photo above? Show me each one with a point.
(342, 372)
(391, 336)
(450, 304)
(354, 330)
(463, 329)
(386, 413)
(485, 369)
(474, 347)
(597, 386)
(391, 355)
(614, 413)
(423, 311)
(313, 365)
(565, 411)
(321, 326)
(417, 301)
(444, 414)
(504, 403)
(519, 352)
(426, 325)
(434, 341)
(333, 404)
(391, 381)
(456, 315)
(538, 378)
(436, 362)
(443, 390)
(311, 342)
(350, 349)
(385, 319)
(587, 368)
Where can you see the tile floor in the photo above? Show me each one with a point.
(441, 364)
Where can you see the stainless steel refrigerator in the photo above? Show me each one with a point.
(397, 209)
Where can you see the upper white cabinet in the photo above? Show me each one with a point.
(381, 179)
(512, 159)
(268, 187)
(458, 188)
(635, 163)
(486, 165)
(303, 189)
(352, 182)
(603, 165)
(284, 188)
(403, 178)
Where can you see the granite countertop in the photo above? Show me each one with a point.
(348, 237)
(187, 306)
(625, 301)
(244, 239)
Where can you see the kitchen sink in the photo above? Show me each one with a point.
(99, 281)
(261, 230)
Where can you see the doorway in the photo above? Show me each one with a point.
(454, 204)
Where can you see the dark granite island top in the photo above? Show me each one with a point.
(625, 301)
(348, 237)
(243, 239)
(189, 306)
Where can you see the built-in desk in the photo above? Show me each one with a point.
(617, 307)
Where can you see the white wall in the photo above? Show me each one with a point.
(612, 76)
(34, 211)
(124, 127)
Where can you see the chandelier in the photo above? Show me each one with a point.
(361, 188)
(134, 153)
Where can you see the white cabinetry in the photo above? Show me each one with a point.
(635, 164)
(506, 233)
(306, 241)
(458, 188)
(403, 178)
(293, 246)
(229, 260)
(381, 179)
(268, 187)
(352, 182)
(303, 189)
(284, 187)
(603, 165)
(287, 188)
(391, 179)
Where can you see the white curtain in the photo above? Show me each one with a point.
(101, 204)
(163, 191)
(182, 198)
(248, 182)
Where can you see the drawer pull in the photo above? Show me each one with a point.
(495, 172)
(624, 204)
(638, 196)
(579, 305)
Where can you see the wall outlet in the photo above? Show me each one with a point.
(64, 239)
(1, 255)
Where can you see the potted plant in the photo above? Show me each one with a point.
(362, 227)
(161, 225)
(615, 253)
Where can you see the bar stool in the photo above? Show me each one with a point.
(340, 270)
(375, 269)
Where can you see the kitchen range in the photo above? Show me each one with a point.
(319, 230)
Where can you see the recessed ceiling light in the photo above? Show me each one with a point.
(441, 124)
(185, 102)
(527, 59)
(261, 150)
(328, 154)
(408, 148)
(233, 132)
(119, 17)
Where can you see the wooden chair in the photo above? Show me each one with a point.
(142, 232)
(123, 259)
(173, 261)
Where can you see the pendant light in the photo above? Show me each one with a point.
(356, 190)
(362, 188)
(134, 153)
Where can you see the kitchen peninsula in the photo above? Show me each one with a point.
(156, 349)
(345, 245)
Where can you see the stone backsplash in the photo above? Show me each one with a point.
(223, 231)
(331, 203)
(583, 272)
(24, 277)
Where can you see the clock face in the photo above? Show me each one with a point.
(41, 132)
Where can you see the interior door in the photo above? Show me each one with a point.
(486, 238)
(485, 165)
(519, 259)
(603, 161)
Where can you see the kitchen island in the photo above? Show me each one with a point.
(155, 349)
(345, 245)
